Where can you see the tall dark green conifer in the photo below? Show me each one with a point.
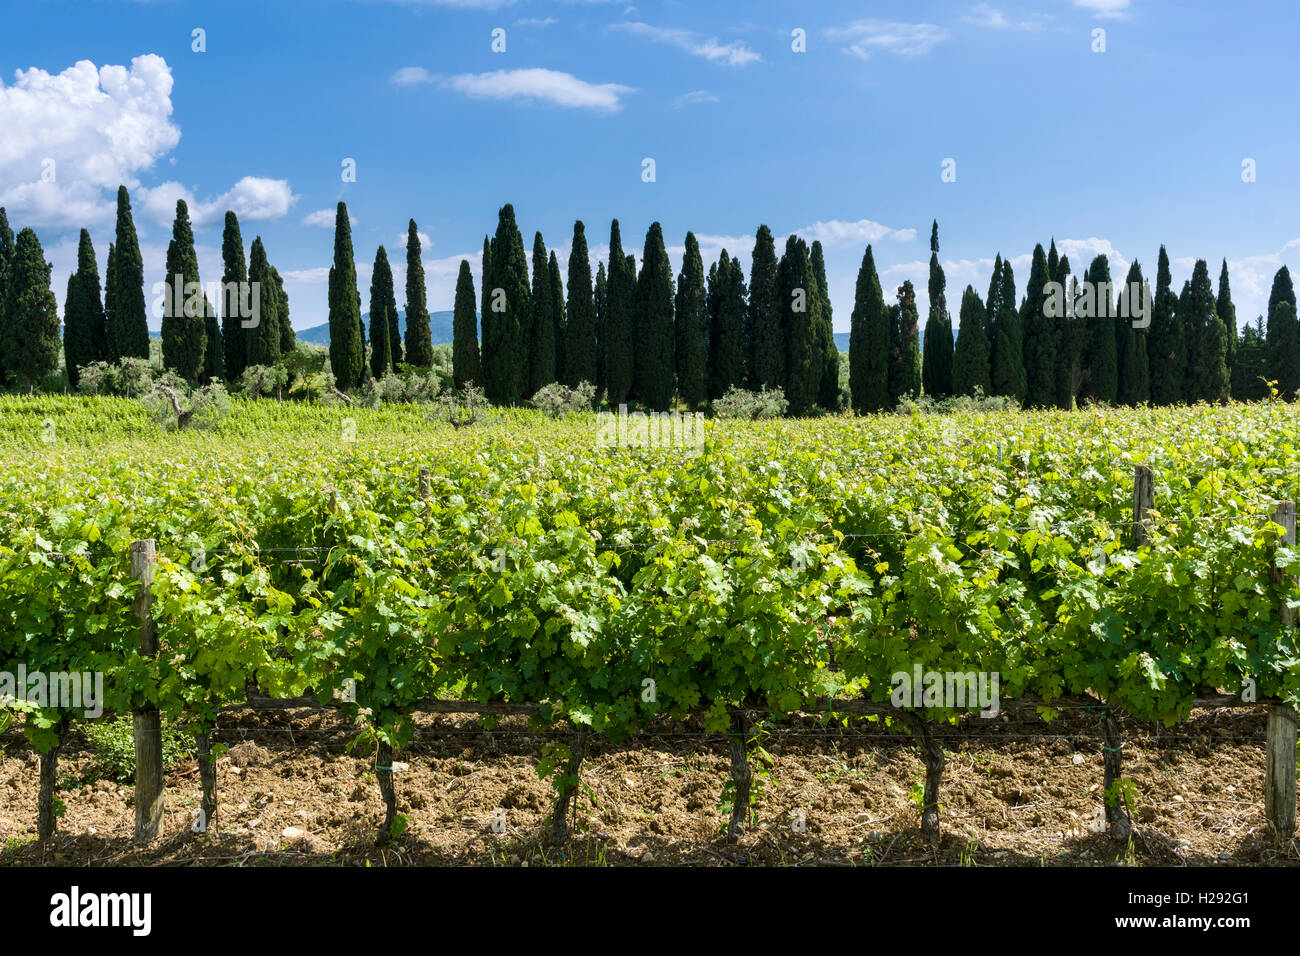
(1207, 346)
(1282, 349)
(347, 350)
(726, 326)
(234, 280)
(797, 294)
(6, 259)
(654, 364)
(128, 328)
(383, 298)
(486, 317)
(691, 328)
(85, 336)
(869, 342)
(1251, 365)
(1102, 364)
(184, 320)
(32, 313)
(1227, 315)
(970, 365)
(1166, 345)
(1069, 339)
(1008, 361)
(600, 304)
(505, 358)
(1134, 363)
(765, 339)
(288, 340)
(418, 347)
(1040, 338)
(619, 343)
(264, 340)
(829, 389)
(936, 371)
(465, 362)
(1283, 288)
(541, 335)
(580, 345)
(904, 349)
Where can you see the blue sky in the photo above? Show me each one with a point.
(1114, 151)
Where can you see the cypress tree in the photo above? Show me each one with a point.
(128, 329)
(904, 351)
(1166, 345)
(6, 259)
(765, 339)
(992, 311)
(541, 336)
(869, 342)
(84, 333)
(506, 356)
(1069, 340)
(936, 373)
(829, 392)
(487, 330)
(234, 337)
(465, 363)
(1008, 363)
(288, 340)
(970, 365)
(1282, 289)
(31, 311)
(347, 351)
(419, 342)
(264, 340)
(1134, 365)
(110, 292)
(1251, 365)
(383, 304)
(726, 325)
(1227, 313)
(1283, 348)
(1207, 347)
(1102, 363)
(691, 328)
(557, 314)
(619, 365)
(580, 345)
(796, 288)
(184, 321)
(1039, 343)
(653, 319)
(600, 306)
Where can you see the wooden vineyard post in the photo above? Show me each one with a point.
(146, 721)
(1280, 774)
(1144, 499)
(740, 777)
(425, 482)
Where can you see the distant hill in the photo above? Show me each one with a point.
(842, 339)
(439, 329)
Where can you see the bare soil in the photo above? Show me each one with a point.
(1016, 792)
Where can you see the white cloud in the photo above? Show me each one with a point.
(325, 219)
(547, 86)
(869, 36)
(536, 22)
(693, 98)
(252, 198)
(986, 16)
(1106, 9)
(92, 128)
(412, 76)
(735, 53)
(838, 232)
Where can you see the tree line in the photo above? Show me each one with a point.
(649, 337)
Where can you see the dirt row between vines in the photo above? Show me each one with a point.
(1016, 792)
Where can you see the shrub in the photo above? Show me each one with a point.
(266, 380)
(130, 378)
(559, 400)
(739, 403)
(173, 405)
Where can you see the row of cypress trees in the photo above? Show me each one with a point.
(108, 322)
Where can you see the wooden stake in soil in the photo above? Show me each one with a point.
(46, 819)
(146, 721)
(207, 780)
(1144, 499)
(740, 776)
(384, 776)
(426, 482)
(1280, 774)
(566, 787)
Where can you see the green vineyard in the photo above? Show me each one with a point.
(384, 559)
